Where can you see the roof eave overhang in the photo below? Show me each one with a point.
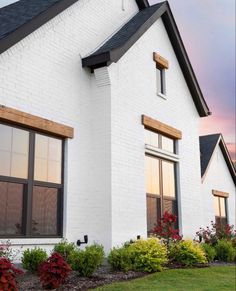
(95, 61)
(227, 158)
(26, 29)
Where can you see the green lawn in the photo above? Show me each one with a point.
(204, 279)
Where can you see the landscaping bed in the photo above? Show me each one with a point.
(103, 276)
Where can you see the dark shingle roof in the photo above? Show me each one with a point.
(207, 146)
(19, 13)
(128, 30)
(21, 18)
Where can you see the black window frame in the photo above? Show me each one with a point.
(162, 85)
(161, 196)
(29, 183)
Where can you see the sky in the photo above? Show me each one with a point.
(207, 28)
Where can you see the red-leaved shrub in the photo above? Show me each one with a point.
(54, 271)
(217, 231)
(8, 273)
(165, 228)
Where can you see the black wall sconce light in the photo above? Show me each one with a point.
(138, 237)
(79, 242)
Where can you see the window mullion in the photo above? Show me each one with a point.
(30, 184)
(161, 186)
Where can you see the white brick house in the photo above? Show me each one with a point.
(99, 136)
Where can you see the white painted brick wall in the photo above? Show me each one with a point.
(218, 178)
(43, 75)
(105, 186)
(133, 89)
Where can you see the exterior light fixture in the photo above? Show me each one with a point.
(79, 242)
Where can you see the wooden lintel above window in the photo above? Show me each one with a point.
(220, 193)
(27, 120)
(161, 62)
(160, 127)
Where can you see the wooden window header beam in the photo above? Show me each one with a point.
(160, 127)
(220, 193)
(161, 62)
(27, 120)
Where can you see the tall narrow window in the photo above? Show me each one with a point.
(161, 86)
(31, 183)
(220, 210)
(161, 66)
(160, 189)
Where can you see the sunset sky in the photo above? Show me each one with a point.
(207, 28)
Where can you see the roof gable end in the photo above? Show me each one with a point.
(208, 144)
(120, 42)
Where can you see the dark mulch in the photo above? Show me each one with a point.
(103, 276)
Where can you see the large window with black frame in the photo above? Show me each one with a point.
(31, 183)
(160, 180)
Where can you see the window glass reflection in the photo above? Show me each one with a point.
(44, 211)
(167, 144)
(11, 206)
(152, 176)
(48, 157)
(168, 174)
(216, 206)
(151, 138)
(14, 151)
(222, 207)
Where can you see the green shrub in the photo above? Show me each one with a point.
(86, 261)
(225, 251)
(64, 248)
(148, 255)
(187, 253)
(121, 258)
(33, 258)
(210, 252)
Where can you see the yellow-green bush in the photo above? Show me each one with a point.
(225, 251)
(210, 252)
(187, 253)
(121, 259)
(148, 255)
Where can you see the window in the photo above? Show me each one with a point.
(161, 166)
(162, 65)
(159, 141)
(31, 183)
(161, 86)
(220, 210)
(160, 189)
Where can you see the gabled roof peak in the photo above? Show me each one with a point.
(208, 144)
(125, 38)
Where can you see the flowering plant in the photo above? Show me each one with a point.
(216, 232)
(8, 273)
(6, 250)
(165, 228)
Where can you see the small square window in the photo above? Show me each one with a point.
(161, 86)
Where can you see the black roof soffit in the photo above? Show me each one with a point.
(105, 58)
